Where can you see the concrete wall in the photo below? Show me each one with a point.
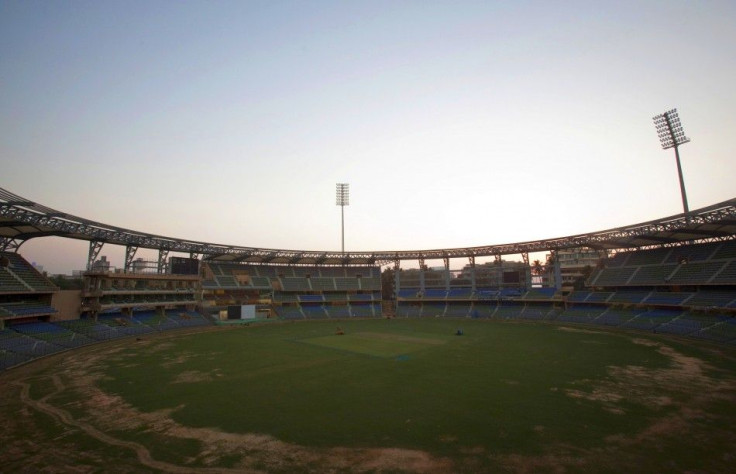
(67, 303)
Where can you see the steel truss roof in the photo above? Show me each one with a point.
(22, 219)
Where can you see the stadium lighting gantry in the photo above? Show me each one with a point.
(342, 199)
(671, 135)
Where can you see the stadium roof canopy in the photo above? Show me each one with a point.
(22, 219)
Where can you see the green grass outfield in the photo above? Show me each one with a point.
(297, 396)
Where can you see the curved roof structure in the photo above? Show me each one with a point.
(22, 219)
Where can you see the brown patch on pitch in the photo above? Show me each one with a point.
(178, 360)
(597, 395)
(586, 331)
(156, 346)
(683, 392)
(556, 463)
(193, 376)
(647, 386)
(400, 338)
(106, 413)
(683, 409)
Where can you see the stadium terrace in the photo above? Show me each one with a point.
(665, 271)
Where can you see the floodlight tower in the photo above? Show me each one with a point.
(671, 135)
(342, 199)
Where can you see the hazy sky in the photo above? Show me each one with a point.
(455, 123)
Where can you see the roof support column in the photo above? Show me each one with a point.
(498, 261)
(130, 251)
(94, 251)
(558, 271)
(472, 272)
(9, 244)
(527, 270)
(397, 284)
(446, 261)
(163, 254)
(422, 266)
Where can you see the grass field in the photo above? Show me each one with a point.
(387, 396)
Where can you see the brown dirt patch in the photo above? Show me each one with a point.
(178, 360)
(400, 338)
(193, 376)
(106, 413)
(683, 391)
(643, 385)
(586, 331)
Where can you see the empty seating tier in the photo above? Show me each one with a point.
(20, 276)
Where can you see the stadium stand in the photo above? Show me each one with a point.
(482, 310)
(25, 308)
(613, 276)
(10, 283)
(53, 334)
(92, 329)
(688, 324)
(433, 309)
(435, 294)
(373, 296)
(652, 275)
(23, 342)
(540, 294)
(697, 264)
(616, 316)
(599, 296)
(409, 293)
(338, 312)
(290, 312)
(315, 311)
(727, 275)
(667, 298)
(372, 310)
(459, 294)
(652, 319)
(346, 283)
(629, 296)
(506, 311)
(411, 310)
(20, 276)
(685, 291)
(310, 298)
(457, 310)
(539, 312)
(723, 331)
(323, 283)
(25, 294)
(711, 298)
(295, 284)
(298, 292)
(581, 314)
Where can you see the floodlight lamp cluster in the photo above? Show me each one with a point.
(669, 129)
(342, 194)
